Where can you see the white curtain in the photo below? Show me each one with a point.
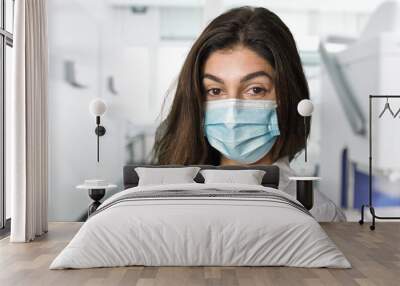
(28, 121)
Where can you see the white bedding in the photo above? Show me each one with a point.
(200, 231)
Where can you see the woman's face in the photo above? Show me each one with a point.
(238, 73)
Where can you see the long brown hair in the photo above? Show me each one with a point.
(180, 137)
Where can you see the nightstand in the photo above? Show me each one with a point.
(96, 193)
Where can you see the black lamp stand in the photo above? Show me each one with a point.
(304, 193)
(305, 139)
(96, 195)
(100, 131)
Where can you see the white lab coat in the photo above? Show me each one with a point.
(323, 210)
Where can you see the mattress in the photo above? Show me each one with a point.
(201, 225)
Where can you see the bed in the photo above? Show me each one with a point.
(201, 224)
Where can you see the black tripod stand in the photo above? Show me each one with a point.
(370, 205)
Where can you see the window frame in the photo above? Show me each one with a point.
(6, 39)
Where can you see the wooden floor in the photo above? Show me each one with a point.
(375, 257)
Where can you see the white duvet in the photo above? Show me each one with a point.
(200, 231)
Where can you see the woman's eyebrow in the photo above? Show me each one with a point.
(255, 74)
(243, 79)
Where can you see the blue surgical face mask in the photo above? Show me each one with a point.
(242, 130)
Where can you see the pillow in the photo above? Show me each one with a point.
(163, 176)
(248, 177)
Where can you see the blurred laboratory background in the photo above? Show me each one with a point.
(129, 53)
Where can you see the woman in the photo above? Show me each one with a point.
(236, 99)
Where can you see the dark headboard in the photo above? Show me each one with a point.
(270, 179)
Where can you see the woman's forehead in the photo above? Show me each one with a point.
(235, 63)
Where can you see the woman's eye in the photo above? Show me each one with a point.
(214, 91)
(257, 91)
